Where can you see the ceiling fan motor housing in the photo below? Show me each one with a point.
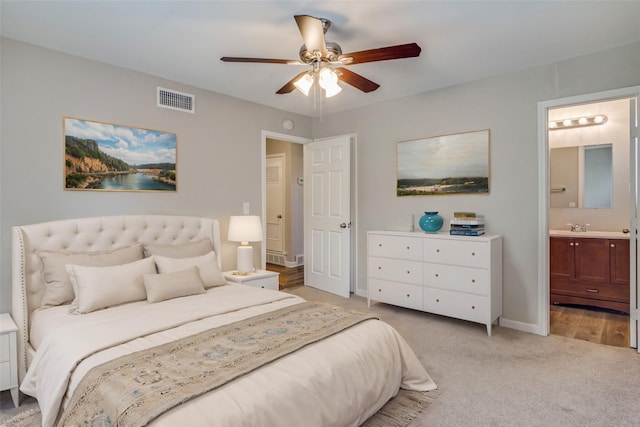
(333, 52)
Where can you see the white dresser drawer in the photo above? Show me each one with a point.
(455, 278)
(454, 304)
(457, 252)
(409, 248)
(400, 294)
(5, 348)
(395, 270)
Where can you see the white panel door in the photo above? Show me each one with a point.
(275, 218)
(327, 207)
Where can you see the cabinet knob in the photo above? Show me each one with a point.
(613, 245)
(571, 244)
(593, 291)
(473, 280)
(379, 245)
(437, 299)
(473, 254)
(436, 274)
(473, 307)
(408, 296)
(408, 247)
(379, 268)
(437, 250)
(408, 271)
(577, 244)
(379, 290)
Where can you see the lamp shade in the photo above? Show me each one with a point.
(245, 228)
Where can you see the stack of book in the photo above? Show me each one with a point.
(467, 224)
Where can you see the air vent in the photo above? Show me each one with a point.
(174, 100)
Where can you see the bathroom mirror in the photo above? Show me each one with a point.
(581, 177)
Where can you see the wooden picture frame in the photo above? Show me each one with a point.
(108, 157)
(445, 164)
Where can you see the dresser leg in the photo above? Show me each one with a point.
(15, 396)
(489, 329)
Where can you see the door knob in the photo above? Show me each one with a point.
(345, 225)
(279, 216)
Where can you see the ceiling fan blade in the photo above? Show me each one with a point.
(312, 33)
(356, 80)
(287, 88)
(408, 50)
(262, 60)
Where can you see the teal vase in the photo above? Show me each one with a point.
(431, 222)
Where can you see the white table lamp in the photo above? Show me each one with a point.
(245, 229)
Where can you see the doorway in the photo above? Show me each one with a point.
(621, 215)
(297, 244)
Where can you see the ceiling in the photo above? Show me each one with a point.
(183, 41)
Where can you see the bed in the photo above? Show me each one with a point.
(67, 334)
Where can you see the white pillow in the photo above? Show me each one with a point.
(161, 287)
(58, 289)
(207, 264)
(185, 250)
(101, 287)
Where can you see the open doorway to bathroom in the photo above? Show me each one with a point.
(591, 218)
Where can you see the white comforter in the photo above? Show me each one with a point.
(340, 381)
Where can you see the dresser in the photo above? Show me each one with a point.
(455, 276)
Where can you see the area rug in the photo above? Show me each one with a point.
(397, 412)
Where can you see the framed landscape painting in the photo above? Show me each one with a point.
(104, 156)
(447, 164)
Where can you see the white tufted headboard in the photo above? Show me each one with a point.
(87, 234)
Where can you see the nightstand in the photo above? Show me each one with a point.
(9, 357)
(259, 279)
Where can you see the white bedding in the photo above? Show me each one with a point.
(363, 366)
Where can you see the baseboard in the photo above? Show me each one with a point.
(291, 264)
(520, 326)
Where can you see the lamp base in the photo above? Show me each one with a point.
(245, 260)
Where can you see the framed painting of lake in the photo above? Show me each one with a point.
(447, 164)
(109, 157)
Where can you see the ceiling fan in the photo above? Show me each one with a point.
(328, 61)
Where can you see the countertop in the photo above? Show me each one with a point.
(590, 234)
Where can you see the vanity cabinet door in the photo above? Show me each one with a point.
(561, 259)
(592, 260)
(619, 262)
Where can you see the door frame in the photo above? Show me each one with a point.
(543, 192)
(354, 199)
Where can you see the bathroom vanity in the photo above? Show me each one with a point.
(589, 268)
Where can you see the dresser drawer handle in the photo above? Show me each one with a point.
(437, 275)
(437, 299)
(473, 307)
(593, 291)
(408, 295)
(473, 280)
(408, 248)
(408, 271)
(379, 268)
(473, 254)
(379, 290)
(379, 245)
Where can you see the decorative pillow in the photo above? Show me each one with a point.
(161, 287)
(58, 289)
(207, 265)
(191, 249)
(101, 287)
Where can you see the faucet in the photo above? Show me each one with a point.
(578, 227)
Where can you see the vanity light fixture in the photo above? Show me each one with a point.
(599, 119)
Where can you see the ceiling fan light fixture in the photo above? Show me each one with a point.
(327, 78)
(304, 83)
(332, 90)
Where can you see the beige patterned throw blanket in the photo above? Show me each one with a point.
(135, 389)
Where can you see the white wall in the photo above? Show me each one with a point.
(219, 147)
(507, 105)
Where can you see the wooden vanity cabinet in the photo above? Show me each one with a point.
(589, 271)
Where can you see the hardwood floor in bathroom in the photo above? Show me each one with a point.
(594, 325)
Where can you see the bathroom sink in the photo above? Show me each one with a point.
(590, 234)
